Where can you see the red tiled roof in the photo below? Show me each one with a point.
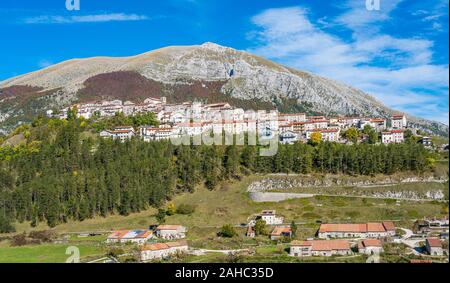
(155, 247)
(370, 243)
(118, 234)
(434, 242)
(280, 230)
(389, 225)
(375, 227)
(168, 227)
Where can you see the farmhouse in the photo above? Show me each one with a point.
(367, 230)
(434, 246)
(320, 248)
(169, 232)
(280, 232)
(270, 217)
(162, 250)
(130, 236)
(250, 232)
(370, 246)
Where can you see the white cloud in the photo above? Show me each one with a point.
(46, 19)
(398, 71)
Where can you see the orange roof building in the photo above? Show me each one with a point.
(367, 230)
(320, 248)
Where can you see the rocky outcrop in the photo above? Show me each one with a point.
(308, 186)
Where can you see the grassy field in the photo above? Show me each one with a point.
(45, 253)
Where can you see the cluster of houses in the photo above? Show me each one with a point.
(196, 118)
(151, 251)
(369, 237)
(365, 230)
(434, 225)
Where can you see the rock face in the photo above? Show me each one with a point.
(242, 76)
(308, 186)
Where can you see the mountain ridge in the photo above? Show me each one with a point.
(244, 76)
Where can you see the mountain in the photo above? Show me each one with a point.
(209, 72)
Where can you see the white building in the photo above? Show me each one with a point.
(130, 236)
(288, 137)
(398, 122)
(270, 217)
(162, 250)
(370, 246)
(121, 133)
(331, 134)
(324, 248)
(393, 136)
(366, 230)
(170, 232)
(434, 247)
(294, 117)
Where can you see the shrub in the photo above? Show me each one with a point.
(260, 227)
(5, 225)
(171, 209)
(227, 231)
(185, 209)
(43, 236)
(19, 240)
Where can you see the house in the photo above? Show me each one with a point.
(280, 232)
(162, 250)
(270, 217)
(288, 137)
(319, 248)
(425, 226)
(250, 232)
(434, 246)
(169, 232)
(330, 134)
(398, 122)
(370, 246)
(393, 136)
(378, 124)
(120, 133)
(294, 117)
(426, 142)
(130, 236)
(366, 230)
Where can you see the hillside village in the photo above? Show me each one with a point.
(196, 118)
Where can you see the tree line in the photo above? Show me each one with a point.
(64, 172)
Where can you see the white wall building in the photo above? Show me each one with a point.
(393, 136)
(162, 250)
(170, 232)
(325, 248)
(399, 122)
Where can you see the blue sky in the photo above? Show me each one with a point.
(398, 54)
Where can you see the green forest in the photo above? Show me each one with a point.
(62, 171)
